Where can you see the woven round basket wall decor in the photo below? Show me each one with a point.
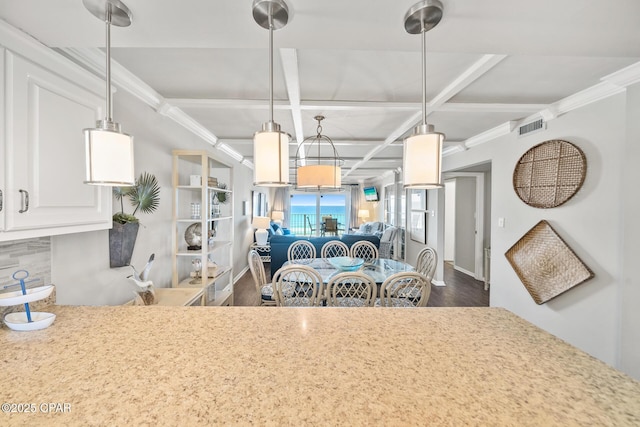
(549, 174)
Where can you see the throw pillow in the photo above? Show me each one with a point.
(279, 232)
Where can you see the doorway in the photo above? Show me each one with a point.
(467, 219)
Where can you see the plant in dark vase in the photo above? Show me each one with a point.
(144, 197)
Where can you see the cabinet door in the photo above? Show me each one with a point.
(3, 154)
(45, 159)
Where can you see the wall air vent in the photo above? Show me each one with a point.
(531, 127)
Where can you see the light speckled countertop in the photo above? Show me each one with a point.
(310, 366)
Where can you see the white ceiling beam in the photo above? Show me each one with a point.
(239, 104)
(471, 74)
(289, 59)
(476, 70)
(261, 104)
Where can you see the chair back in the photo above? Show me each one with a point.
(405, 289)
(364, 249)
(386, 242)
(311, 227)
(331, 225)
(301, 249)
(297, 285)
(351, 289)
(426, 262)
(334, 248)
(263, 288)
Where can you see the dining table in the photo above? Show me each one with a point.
(378, 269)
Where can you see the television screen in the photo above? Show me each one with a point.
(371, 194)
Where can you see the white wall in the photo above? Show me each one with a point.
(449, 220)
(80, 262)
(589, 315)
(629, 228)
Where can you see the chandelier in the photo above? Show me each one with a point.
(320, 168)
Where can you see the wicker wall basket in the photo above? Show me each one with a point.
(545, 264)
(549, 174)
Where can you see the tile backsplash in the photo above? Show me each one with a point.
(33, 255)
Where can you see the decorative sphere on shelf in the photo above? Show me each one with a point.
(193, 236)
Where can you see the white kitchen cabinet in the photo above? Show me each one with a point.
(193, 203)
(43, 113)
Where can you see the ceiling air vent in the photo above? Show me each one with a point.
(531, 127)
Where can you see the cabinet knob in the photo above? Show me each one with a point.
(24, 201)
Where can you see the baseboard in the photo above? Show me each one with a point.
(239, 275)
(438, 283)
(462, 270)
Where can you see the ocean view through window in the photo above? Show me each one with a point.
(309, 211)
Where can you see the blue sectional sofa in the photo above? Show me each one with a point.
(280, 245)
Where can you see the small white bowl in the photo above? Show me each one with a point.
(18, 321)
(33, 294)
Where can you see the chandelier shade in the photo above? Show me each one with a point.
(271, 145)
(271, 158)
(108, 151)
(320, 169)
(109, 158)
(423, 159)
(422, 152)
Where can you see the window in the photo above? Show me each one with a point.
(308, 209)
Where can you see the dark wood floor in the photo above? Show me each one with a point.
(461, 290)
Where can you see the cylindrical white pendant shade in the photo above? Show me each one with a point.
(319, 176)
(271, 159)
(422, 160)
(109, 158)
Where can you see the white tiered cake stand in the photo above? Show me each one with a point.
(26, 320)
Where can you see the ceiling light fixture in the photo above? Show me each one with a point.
(271, 145)
(422, 154)
(109, 152)
(318, 172)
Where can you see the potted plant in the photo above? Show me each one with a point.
(219, 197)
(144, 197)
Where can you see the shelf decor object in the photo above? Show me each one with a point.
(545, 264)
(422, 153)
(26, 320)
(549, 174)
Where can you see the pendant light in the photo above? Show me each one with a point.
(271, 145)
(318, 171)
(109, 152)
(422, 154)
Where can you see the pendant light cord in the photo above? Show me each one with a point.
(271, 66)
(424, 75)
(107, 21)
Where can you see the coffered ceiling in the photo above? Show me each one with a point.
(491, 65)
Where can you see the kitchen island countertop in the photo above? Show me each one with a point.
(304, 366)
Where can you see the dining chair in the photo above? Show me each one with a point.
(312, 229)
(301, 249)
(386, 241)
(330, 226)
(426, 262)
(404, 289)
(364, 249)
(297, 285)
(334, 248)
(351, 289)
(264, 288)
